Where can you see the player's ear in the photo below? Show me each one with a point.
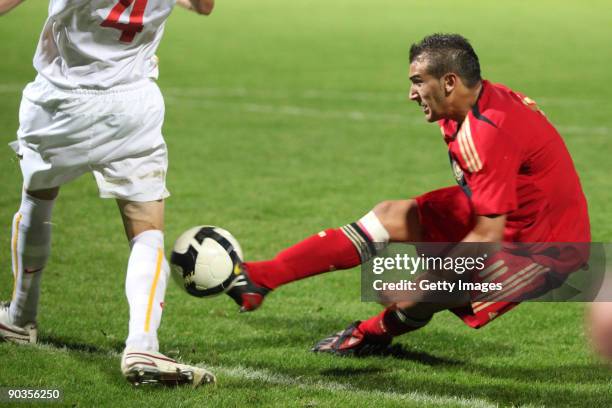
(450, 82)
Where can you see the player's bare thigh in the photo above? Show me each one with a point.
(139, 217)
(401, 220)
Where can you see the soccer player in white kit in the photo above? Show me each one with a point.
(95, 107)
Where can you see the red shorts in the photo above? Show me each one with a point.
(446, 216)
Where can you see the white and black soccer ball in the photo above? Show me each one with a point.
(204, 259)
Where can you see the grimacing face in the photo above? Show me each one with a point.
(427, 91)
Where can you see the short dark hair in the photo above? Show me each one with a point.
(448, 53)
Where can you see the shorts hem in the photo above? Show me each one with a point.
(140, 198)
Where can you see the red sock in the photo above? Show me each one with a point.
(327, 251)
(388, 323)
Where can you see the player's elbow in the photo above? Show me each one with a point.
(489, 228)
(204, 7)
(492, 234)
(494, 237)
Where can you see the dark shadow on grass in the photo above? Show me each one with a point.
(395, 352)
(276, 331)
(567, 374)
(399, 352)
(82, 347)
(350, 371)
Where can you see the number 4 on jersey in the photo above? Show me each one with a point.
(128, 30)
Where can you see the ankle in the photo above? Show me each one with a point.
(258, 272)
(391, 323)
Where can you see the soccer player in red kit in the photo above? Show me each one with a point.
(516, 183)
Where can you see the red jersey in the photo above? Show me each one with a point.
(509, 159)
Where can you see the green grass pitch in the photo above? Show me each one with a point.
(284, 118)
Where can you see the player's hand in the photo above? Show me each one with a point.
(8, 5)
(197, 6)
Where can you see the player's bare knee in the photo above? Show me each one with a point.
(139, 217)
(382, 209)
(395, 216)
(389, 210)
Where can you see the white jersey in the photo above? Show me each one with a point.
(99, 44)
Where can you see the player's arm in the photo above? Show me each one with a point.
(493, 162)
(198, 6)
(488, 228)
(8, 5)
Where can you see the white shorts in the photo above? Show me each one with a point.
(115, 134)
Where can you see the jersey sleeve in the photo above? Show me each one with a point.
(492, 161)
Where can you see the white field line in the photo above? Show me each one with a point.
(200, 96)
(589, 130)
(11, 88)
(280, 94)
(292, 110)
(331, 386)
(242, 92)
(179, 94)
(382, 96)
(332, 114)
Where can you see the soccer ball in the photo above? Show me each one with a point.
(203, 260)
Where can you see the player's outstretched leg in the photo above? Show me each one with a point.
(145, 288)
(372, 336)
(329, 250)
(30, 248)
